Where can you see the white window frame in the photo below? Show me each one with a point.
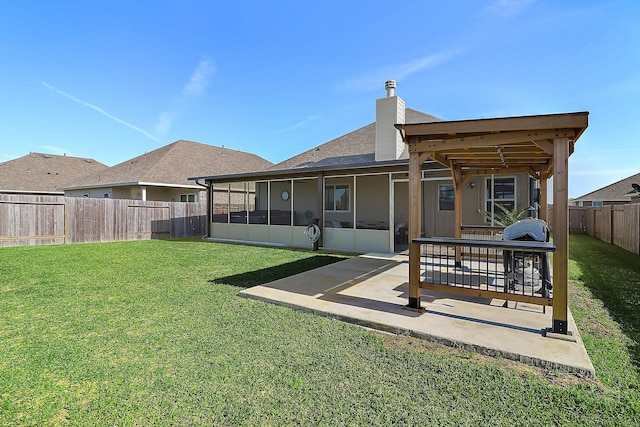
(494, 200)
(333, 207)
(187, 196)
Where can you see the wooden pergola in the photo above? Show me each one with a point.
(538, 145)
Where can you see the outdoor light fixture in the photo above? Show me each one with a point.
(472, 184)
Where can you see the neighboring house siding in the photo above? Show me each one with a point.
(97, 193)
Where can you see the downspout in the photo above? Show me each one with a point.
(320, 207)
(209, 207)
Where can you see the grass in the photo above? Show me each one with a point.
(153, 333)
(605, 301)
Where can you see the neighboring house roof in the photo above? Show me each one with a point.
(620, 191)
(355, 149)
(172, 165)
(44, 173)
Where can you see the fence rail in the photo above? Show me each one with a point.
(45, 220)
(615, 224)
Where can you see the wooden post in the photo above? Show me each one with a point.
(560, 233)
(456, 172)
(543, 198)
(415, 225)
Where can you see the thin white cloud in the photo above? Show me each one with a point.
(506, 9)
(302, 123)
(196, 87)
(612, 172)
(164, 122)
(375, 78)
(200, 79)
(598, 156)
(6, 157)
(620, 150)
(99, 110)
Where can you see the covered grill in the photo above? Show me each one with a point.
(528, 229)
(523, 269)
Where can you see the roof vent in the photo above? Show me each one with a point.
(390, 86)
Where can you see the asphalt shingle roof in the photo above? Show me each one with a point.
(38, 172)
(173, 164)
(357, 147)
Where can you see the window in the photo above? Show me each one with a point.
(500, 191)
(191, 198)
(336, 198)
(445, 198)
(599, 203)
(106, 195)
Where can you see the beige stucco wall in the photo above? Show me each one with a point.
(134, 192)
(372, 200)
(305, 200)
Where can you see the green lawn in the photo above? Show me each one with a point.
(153, 333)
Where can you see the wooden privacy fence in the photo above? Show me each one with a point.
(616, 224)
(44, 220)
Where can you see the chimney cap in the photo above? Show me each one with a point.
(390, 86)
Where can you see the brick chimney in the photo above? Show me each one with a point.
(389, 111)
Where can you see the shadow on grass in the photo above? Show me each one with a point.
(612, 274)
(266, 275)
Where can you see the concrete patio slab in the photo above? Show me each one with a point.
(371, 290)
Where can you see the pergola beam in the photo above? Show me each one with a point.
(435, 130)
(456, 141)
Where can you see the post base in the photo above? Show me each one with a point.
(559, 327)
(414, 305)
(415, 310)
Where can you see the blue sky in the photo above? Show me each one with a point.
(112, 80)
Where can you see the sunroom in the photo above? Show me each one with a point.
(359, 209)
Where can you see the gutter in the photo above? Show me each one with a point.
(303, 171)
(126, 184)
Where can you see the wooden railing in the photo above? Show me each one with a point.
(510, 270)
